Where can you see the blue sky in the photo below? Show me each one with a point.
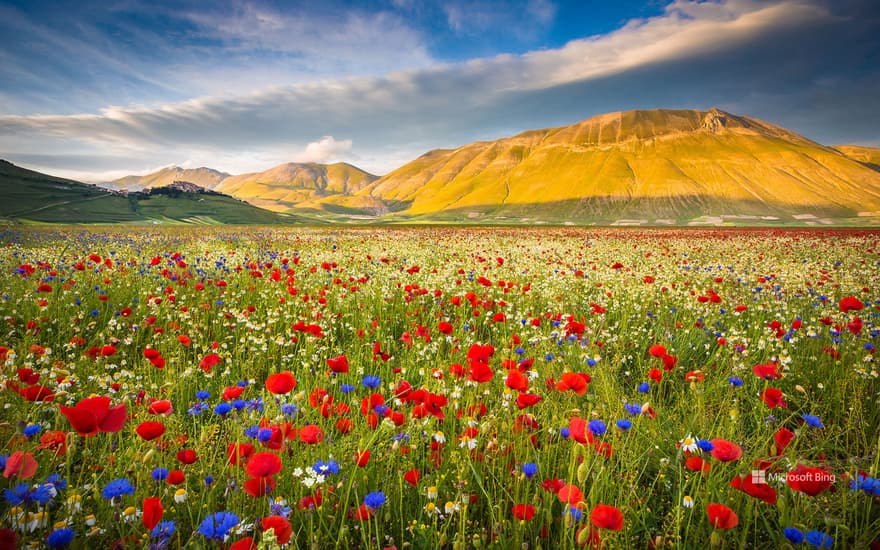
(98, 90)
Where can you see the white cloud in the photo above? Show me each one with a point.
(325, 149)
(403, 110)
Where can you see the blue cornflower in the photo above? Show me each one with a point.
(326, 468)
(793, 534)
(624, 424)
(381, 409)
(705, 445)
(159, 474)
(56, 482)
(264, 434)
(251, 431)
(597, 427)
(209, 480)
(222, 409)
(197, 409)
(276, 509)
(42, 494)
(203, 394)
(239, 404)
(735, 382)
(633, 408)
(813, 420)
(530, 469)
(644, 387)
(346, 388)
(591, 362)
(564, 432)
(819, 539)
(17, 495)
(60, 538)
(31, 430)
(375, 499)
(290, 409)
(117, 488)
(3, 459)
(575, 513)
(217, 525)
(164, 529)
(371, 381)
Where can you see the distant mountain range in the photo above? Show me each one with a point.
(650, 167)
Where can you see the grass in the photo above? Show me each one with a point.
(361, 288)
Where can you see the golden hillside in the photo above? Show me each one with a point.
(300, 185)
(675, 165)
(203, 177)
(865, 155)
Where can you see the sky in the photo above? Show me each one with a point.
(97, 90)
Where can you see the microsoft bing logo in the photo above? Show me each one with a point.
(759, 477)
(762, 477)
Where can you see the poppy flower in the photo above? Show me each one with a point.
(311, 434)
(570, 495)
(187, 456)
(339, 364)
(574, 381)
(150, 430)
(607, 517)
(263, 464)
(773, 398)
(246, 543)
(161, 407)
(280, 526)
(239, 452)
(55, 440)
(767, 371)
(37, 393)
(810, 481)
(259, 486)
(761, 491)
(210, 361)
(445, 327)
(697, 464)
(175, 477)
(481, 372)
(721, 517)
(850, 303)
(783, 437)
(657, 350)
(94, 414)
(523, 512)
(525, 400)
(725, 451)
(152, 511)
(361, 458)
(281, 383)
(20, 465)
(412, 477)
(518, 381)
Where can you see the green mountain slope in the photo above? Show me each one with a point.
(204, 177)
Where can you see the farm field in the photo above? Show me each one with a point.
(439, 387)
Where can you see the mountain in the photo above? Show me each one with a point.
(204, 177)
(869, 156)
(637, 167)
(31, 196)
(302, 186)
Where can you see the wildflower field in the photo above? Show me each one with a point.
(439, 388)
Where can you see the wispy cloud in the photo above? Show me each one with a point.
(694, 54)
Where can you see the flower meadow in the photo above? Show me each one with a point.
(439, 388)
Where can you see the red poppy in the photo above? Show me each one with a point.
(810, 481)
(657, 350)
(850, 303)
(161, 406)
(669, 361)
(697, 464)
(55, 440)
(444, 327)
(412, 477)
(517, 381)
(152, 512)
(280, 526)
(37, 393)
(577, 428)
(175, 477)
(607, 517)
(773, 398)
(280, 383)
(725, 451)
(481, 372)
(246, 543)
(187, 456)
(93, 415)
(259, 486)
(574, 381)
(8, 539)
(264, 464)
(361, 458)
(338, 364)
(523, 512)
(761, 490)
(721, 517)
(524, 400)
(210, 361)
(150, 430)
(185, 340)
(311, 434)
(783, 438)
(570, 494)
(239, 452)
(20, 465)
(767, 371)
